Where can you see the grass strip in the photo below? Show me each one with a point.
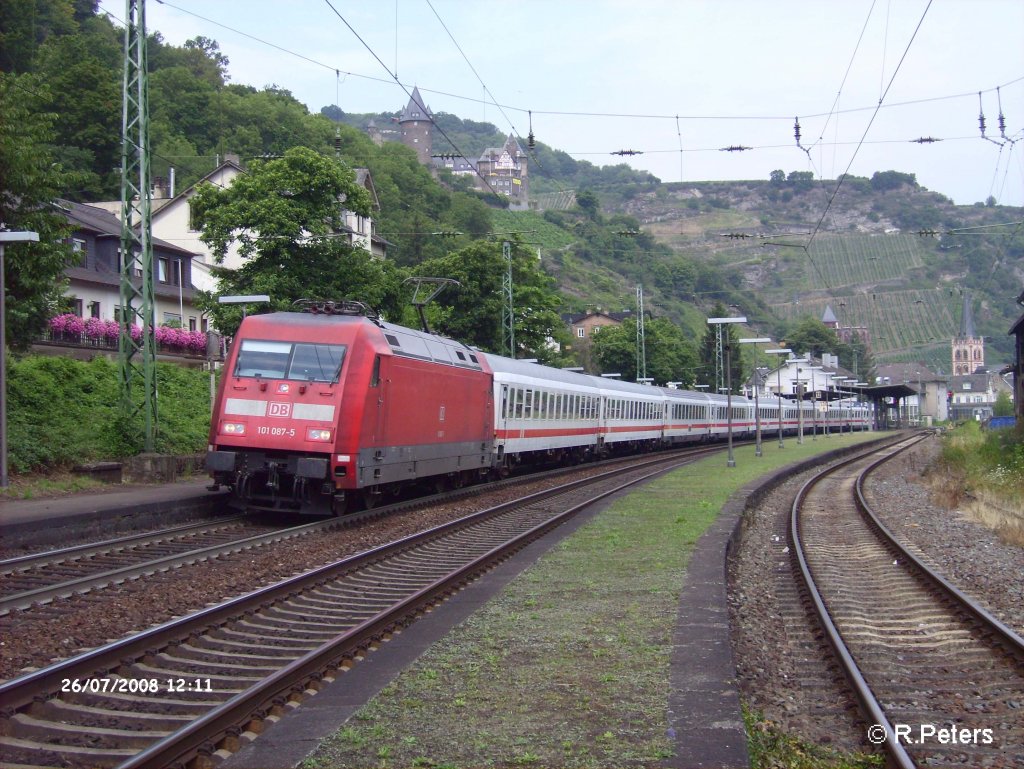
(569, 665)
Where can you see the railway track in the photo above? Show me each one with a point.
(939, 679)
(34, 581)
(180, 692)
(38, 579)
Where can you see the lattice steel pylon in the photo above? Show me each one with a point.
(641, 336)
(508, 318)
(137, 356)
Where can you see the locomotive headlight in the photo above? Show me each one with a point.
(232, 428)
(316, 434)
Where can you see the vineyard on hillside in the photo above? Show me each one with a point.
(903, 325)
(839, 261)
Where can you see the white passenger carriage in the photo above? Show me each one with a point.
(688, 416)
(542, 412)
(632, 417)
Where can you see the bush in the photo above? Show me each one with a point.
(62, 412)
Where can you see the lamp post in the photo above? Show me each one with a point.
(719, 322)
(780, 351)
(838, 380)
(24, 236)
(814, 402)
(799, 392)
(757, 386)
(828, 401)
(860, 396)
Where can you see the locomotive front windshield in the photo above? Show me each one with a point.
(303, 361)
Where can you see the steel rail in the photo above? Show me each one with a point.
(48, 593)
(75, 552)
(870, 706)
(1007, 636)
(89, 582)
(21, 692)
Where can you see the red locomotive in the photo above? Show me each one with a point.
(319, 410)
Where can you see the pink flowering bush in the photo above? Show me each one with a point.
(67, 324)
(71, 327)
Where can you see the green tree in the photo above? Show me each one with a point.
(473, 312)
(283, 213)
(1003, 407)
(88, 133)
(32, 182)
(810, 335)
(588, 203)
(670, 356)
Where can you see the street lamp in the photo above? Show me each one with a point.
(799, 392)
(780, 351)
(814, 402)
(839, 393)
(243, 299)
(828, 401)
(24, 236)
(719, 322)
(757, 386)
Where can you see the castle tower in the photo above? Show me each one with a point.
(968, 350)
(415, 123)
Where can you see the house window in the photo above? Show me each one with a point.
(162, 271)
(581, 332)
(172, 317)
(94, 309)
(205, 325)
(77, 307)
(191, 323)
(78, 248)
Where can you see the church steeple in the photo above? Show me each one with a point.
(968, 349)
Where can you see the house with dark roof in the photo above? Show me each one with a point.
(94, 281)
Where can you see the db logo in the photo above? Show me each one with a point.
(276, 409)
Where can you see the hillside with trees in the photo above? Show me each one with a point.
(889, 255)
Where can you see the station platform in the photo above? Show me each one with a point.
(41, 522)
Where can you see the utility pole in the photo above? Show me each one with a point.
(641, 337)
(137, 357)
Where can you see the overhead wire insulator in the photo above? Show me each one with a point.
(796, 131)
(1002, 119)
(981, 117)
(531, 141)
(627, 152)
(925, 140)
(735, 148)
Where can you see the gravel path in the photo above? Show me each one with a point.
(786, 669)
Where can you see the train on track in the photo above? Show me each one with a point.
(332, 409)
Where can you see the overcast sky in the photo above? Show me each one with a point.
(653, 76)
